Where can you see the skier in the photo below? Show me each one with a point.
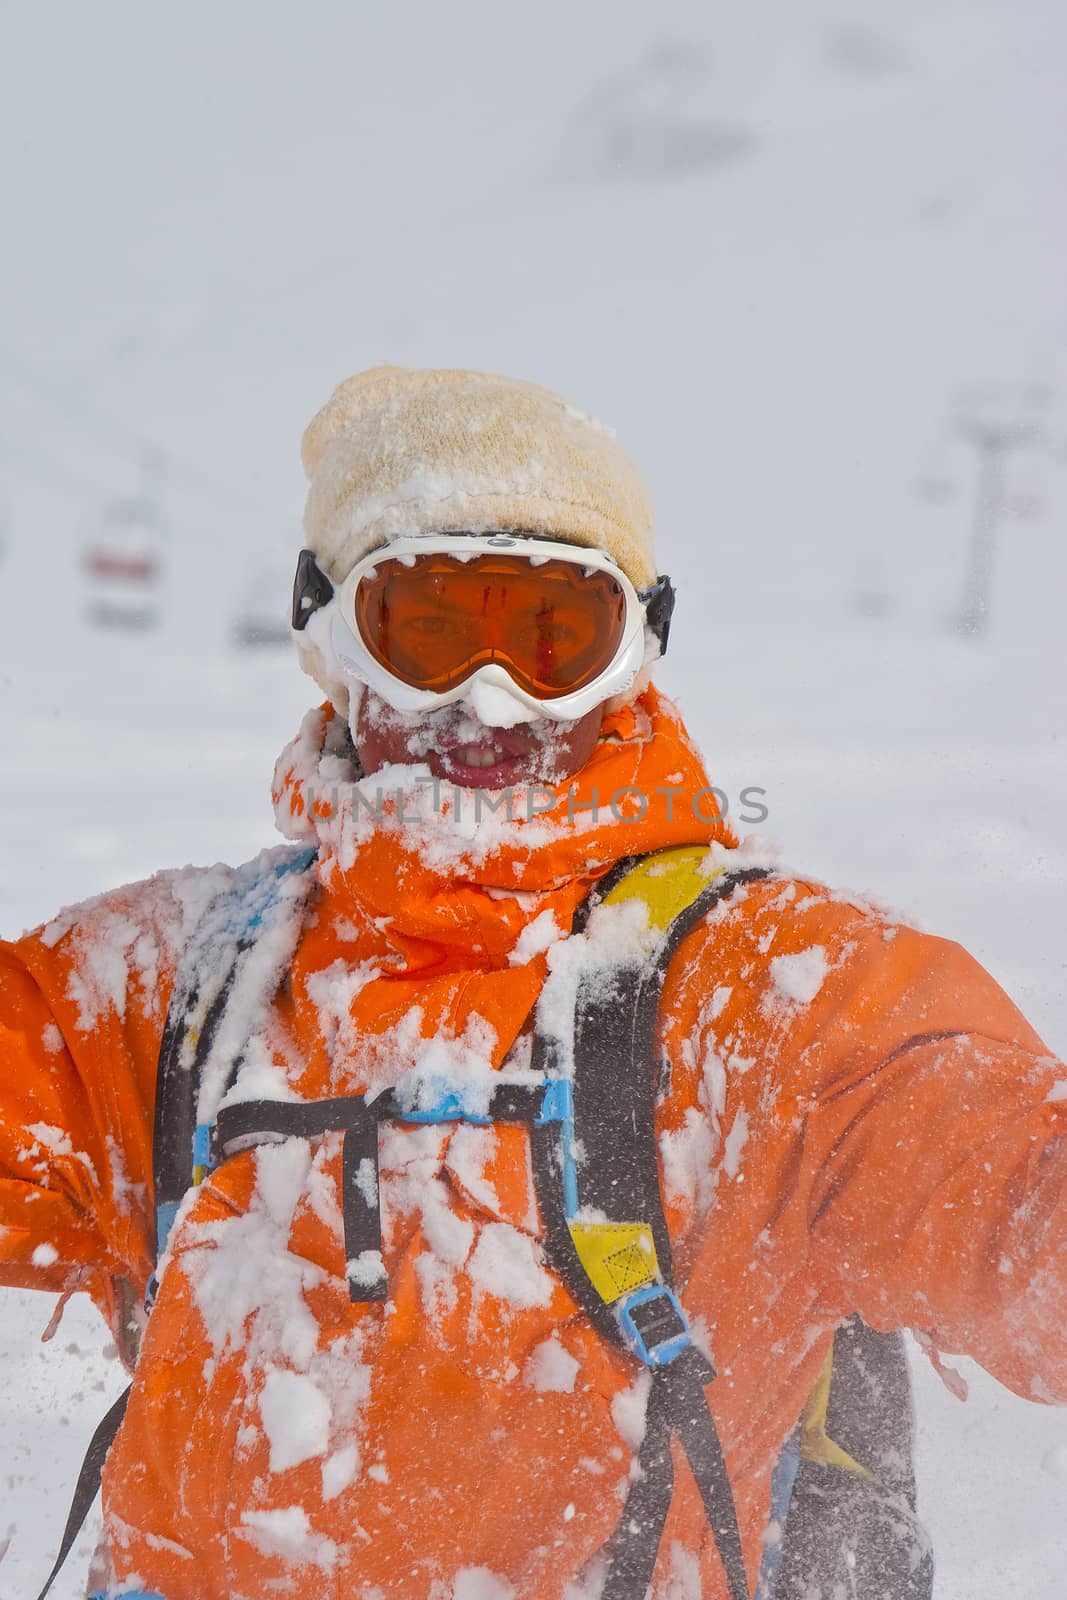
(524, 1180)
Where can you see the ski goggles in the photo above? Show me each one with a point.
(559, 627)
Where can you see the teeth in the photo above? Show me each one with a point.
(476, 755)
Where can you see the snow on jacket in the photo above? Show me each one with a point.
(857, 1119)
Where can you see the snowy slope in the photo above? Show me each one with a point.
(771, 245)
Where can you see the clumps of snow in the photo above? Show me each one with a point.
(535, 939)
(448, 1238)
(275, 900)
(333, 991)
(287, 1532)
(296, 1418)
(720, 999)
(510, 1266)
(683, 1575)
(366, 1181)
(754, 850)
(495, 706)
(735, 1143)
(480, 1583)
(129, 1198)
(129, 935)
(444, 1065)
(241, 1272)
(57, 1142)
(100, 979)
(629, 1411)
(45, 1255)
(366, 1269)
(453, 830)
(688, 1156)
(448, 1235)
(52, 1039)
(611, 933)
(470, 1151)
(339, 1470)
(551, 1369)
(798, 978)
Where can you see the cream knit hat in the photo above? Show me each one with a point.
(396, 451)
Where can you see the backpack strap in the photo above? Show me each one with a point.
(620, 1271)
(227, 976)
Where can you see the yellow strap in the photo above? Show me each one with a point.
(815, 1442)
(666, 883)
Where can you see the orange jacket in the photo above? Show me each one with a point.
(858, 1119)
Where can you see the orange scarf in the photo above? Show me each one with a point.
(428, 949)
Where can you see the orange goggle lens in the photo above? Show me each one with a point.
(432, 622)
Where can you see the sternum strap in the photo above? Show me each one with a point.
(255, 1122)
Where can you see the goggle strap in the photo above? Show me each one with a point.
(312, 589)
(658, 602)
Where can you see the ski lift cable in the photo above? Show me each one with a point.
(91, 420)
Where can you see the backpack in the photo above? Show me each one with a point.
(843, 1491)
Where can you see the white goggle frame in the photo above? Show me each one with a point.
(358, 665)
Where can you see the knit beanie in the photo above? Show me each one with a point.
(396, 451)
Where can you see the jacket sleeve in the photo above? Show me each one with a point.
(82, 1005)
(925, 1122)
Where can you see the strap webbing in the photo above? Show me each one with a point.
(88, 1484)
(615, 1027)
(252, 1122)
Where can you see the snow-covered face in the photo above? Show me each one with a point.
(462, 750)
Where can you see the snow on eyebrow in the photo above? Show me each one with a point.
(800, 977)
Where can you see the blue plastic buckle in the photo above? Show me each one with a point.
(202, 1154)
(558, 1104)
(658, 1335)
(448, 1109)
(127, 1594)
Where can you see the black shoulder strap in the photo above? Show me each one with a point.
(614, 1095)
(198, 1055)
(85, 1490)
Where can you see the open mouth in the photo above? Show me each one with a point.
(493, 763)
